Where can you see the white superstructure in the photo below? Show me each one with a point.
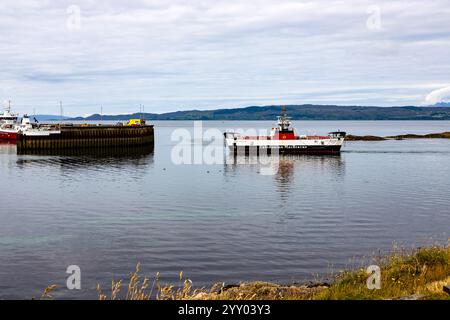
(284, 140)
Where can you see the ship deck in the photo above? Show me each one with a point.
(296, 138)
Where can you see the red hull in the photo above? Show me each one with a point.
(5, 135)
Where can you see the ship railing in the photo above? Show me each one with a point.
(231, 135)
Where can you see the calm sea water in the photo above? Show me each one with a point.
(222, 222)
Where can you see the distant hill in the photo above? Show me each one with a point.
(48, 117)
(297, 112)
(442, 104)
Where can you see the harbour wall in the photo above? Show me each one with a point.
(80, 137)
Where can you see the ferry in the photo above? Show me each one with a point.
(284, 140)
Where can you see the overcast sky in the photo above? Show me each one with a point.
(206, 54)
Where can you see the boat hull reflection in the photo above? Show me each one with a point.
(285, 165)
(119, 152)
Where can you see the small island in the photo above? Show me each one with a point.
(443, 135)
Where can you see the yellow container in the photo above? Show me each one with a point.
(136, 122)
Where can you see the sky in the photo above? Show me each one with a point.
(174, 55)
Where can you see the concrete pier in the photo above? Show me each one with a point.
(79, 137)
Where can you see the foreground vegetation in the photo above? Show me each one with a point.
(420, 274)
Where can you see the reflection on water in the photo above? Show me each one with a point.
(284, 167)
(113, 152)
(7, 147)
(285, 173)
(81, 158)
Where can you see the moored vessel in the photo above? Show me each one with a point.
(10, 124)
(284, 140)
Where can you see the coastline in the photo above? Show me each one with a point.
(442, 135)
(420, 274)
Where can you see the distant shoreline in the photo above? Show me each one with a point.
(443, 135)
(296, 112)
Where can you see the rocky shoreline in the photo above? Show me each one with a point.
(443, 135)
(420, 274)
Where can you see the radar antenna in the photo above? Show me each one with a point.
(283, 120)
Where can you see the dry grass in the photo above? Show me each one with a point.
(139, 288)
(261, 291)
(47, 294)
(435, 288)
(421, 273)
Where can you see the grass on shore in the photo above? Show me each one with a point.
(420, 274)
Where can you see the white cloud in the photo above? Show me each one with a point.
(179, 54)
(439, 95)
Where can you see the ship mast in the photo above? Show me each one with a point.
(283, 120)
(61, 110)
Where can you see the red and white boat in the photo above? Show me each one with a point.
(10, 126)
(284, 140)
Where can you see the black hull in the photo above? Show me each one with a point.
(316, 150)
